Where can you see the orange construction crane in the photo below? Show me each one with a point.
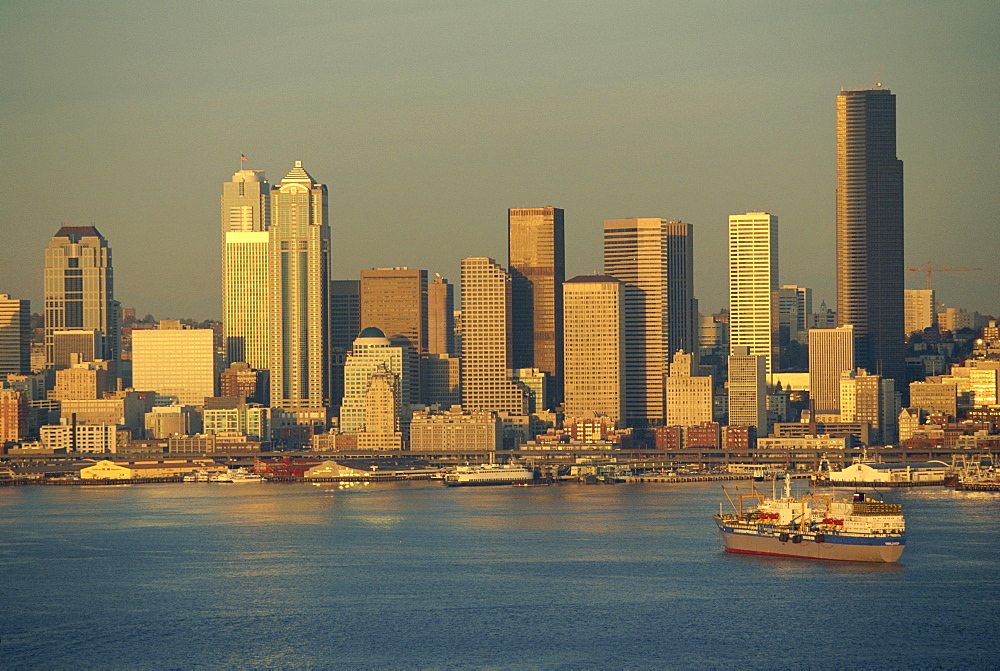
(934, 269)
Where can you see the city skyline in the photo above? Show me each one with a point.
(419, 115)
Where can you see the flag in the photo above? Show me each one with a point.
(243, 157)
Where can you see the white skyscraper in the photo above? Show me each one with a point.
(753, 280)
(246, 215)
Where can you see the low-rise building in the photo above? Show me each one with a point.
(931, 471)
(455, 431)
(131, 470)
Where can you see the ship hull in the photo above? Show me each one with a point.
(835, 547)
(480, 482)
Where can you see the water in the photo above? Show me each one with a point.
(418, 575)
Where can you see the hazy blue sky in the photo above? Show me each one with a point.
(427, 120)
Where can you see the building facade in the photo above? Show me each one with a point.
(246, 217)
(653, 257)
(537, 265)
(176, 363)
(79, 289)
(594, 360)
(870, 229)
(15, 335)
(394, 300)
(299, 257)
(831, 352)
(748, 390)
(753, 280)
(487, 373)
(441, 317)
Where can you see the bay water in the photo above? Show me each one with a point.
(417, 575)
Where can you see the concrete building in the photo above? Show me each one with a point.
(689, 396)
(252, 421)
(83, 380)
(748, 390)
(935, 397)
(176, 363)
(85, 438)
(654, 260)
(299, 323)
(455, 432)
(381, 429)
(240, 380)
(441, 317)
(13, 416)
(79, 289)
(872, 399)
(72, 345)
(919, 311)
(593, 337)
(831, 353)
(246, 217)
(537, 265)
(487, 372)
(870, 230)
(130, 470)
(371, 353)
(15, 335)
(125, 408)
(753, 281)
(164, 421)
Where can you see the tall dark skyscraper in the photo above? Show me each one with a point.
(870, 229)
(537, 254)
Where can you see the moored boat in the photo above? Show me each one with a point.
(488, 474)
(859, 528)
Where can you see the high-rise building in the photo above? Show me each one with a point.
(594, 366)
(653, 258)
(371, 352)
(870, 229)
(487, 374)
(176, 363)
(13, 415)
(753, 279)
(441, 317)
(298, 297)
(747, 390)
(537, 265)
(795, 311)
(246, 217)
(79, 289)
(831, 353)
(919, 311)
(15, 335)
(345, 325)
(394, 300)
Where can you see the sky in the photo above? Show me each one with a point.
(428, 119)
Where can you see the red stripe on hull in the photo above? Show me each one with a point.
(779, 554)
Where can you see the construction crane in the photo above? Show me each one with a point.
(934, 269)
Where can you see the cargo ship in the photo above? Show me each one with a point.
(860, 528)
(488, 474)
